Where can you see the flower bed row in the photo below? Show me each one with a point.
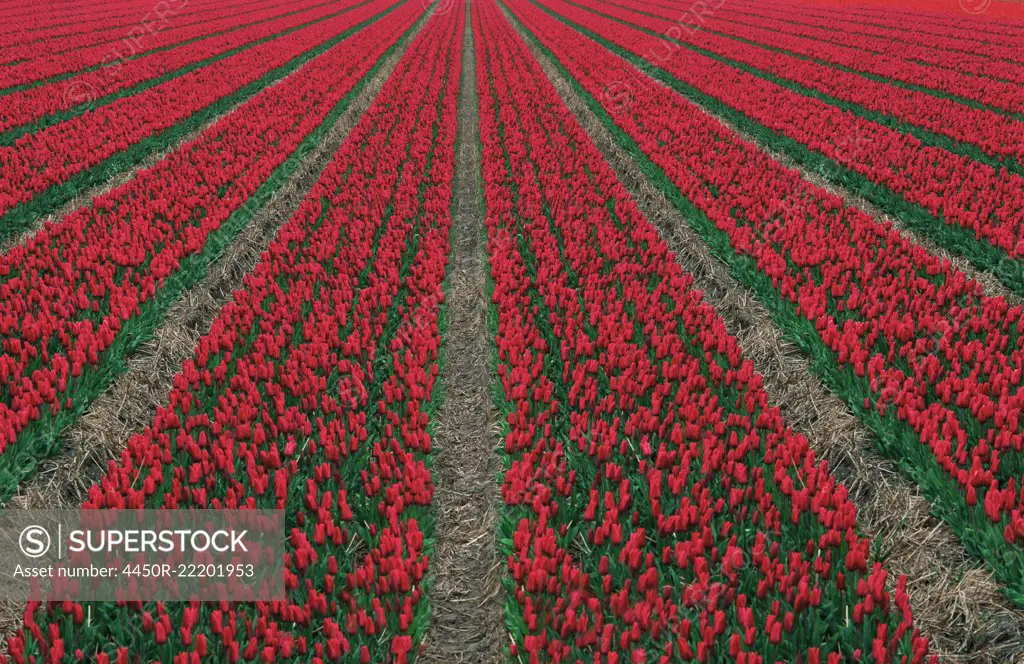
(656, 507)
(22, 22)
(914, 346)
(1002, 20)
(94, 87)
(43, 170)
(1005, 96)
(907, 20)
(1001, 96)
(83, 292)
(994, 139)
(966, 206)
(804, 39)
(980, 35)
(42, 67)
(311, 394)
(200, 20)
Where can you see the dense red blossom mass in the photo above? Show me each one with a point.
(659, 508)
(267, 413)
(70, 291)
(655, 506)
(121, 68)
(916, 341)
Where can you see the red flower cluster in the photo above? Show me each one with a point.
(979, 85)
(998, 27)
(873, 52)
(915, 341)
(990, 61)
(140, 31)
(87, 24)
(103, 27)
(40, 160)
(211, 39)
(952, 187)
(1001, 136)
(657, 508)
(260, 417)
(926, 38)
(73, 289)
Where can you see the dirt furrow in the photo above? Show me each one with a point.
(466, 593)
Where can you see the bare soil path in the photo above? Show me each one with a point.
(466, 596)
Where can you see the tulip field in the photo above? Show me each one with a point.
(559, 173)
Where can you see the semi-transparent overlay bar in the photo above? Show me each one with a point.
(170, 555)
